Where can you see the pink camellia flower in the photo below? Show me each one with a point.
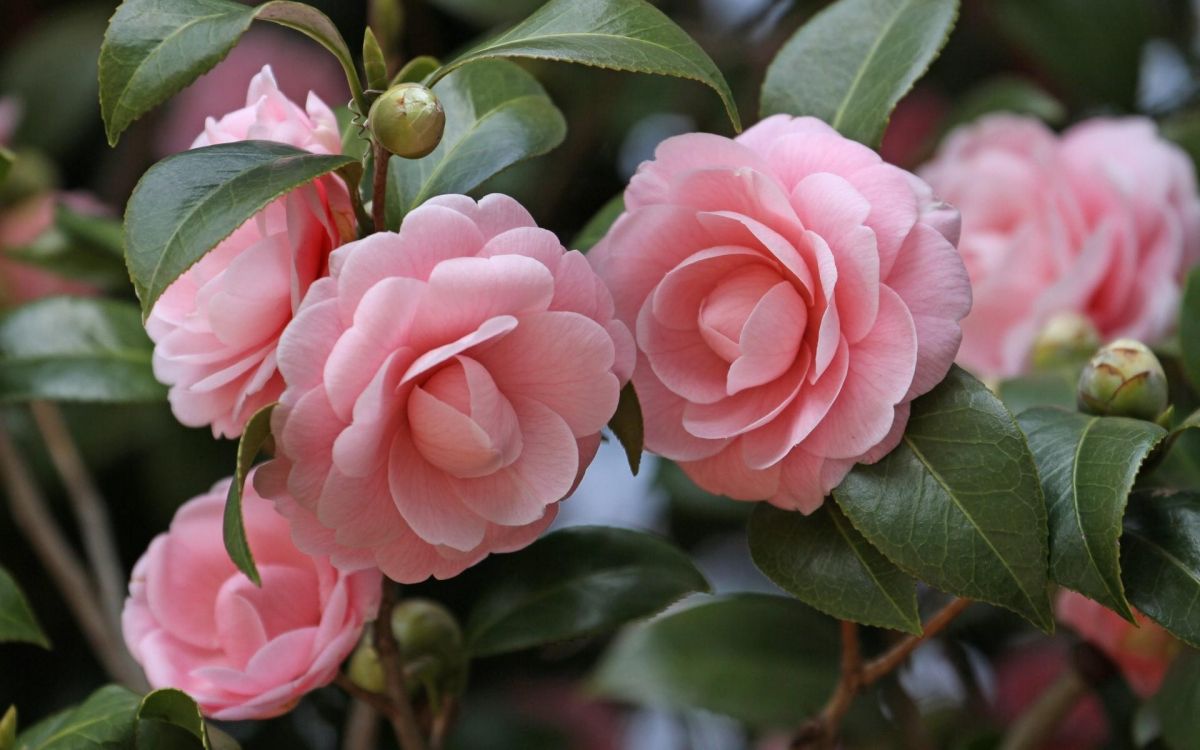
(1102, 222)
(446, 387)
(1142, 652)
(194, 622)
(216, 328)
(791, 294)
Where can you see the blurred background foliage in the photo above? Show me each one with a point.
(1058, 59)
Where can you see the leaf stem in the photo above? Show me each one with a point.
(35, 521)
(379, 188)
(91, 513)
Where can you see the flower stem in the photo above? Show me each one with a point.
(379, 188)
(401, 714)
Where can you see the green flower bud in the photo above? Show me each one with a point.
(1067, 339)
(407, 120)
(29, 175)
(365, 669)
(1123, 379)
(431, 644)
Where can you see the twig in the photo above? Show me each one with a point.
(441, 723)
(401, 714)
(896, 655)
(1036, 726)
(90, 511)
(379, 188)
(374, 700)
(30, 513)
(362, 727)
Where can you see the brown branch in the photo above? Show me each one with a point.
(374, 700)
(36, 523)
(401, 715)
(896, 655)
(379, 188)
(91, 513)
(361, 731)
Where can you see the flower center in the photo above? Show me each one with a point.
(724, 312)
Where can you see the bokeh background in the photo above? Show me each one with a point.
(1064, 59)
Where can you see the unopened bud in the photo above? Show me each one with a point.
(1123, 379)
(407, 120)
(431, 644)
(1067, 339)
(365, 669)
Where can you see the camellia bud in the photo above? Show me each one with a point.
(431, 644)
(1123, 379)
(407, 120)
(1067, 339)
(365, 669)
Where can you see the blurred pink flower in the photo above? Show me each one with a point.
(194, 622)
(1142, 652)
(1101, 221)
(446, 387)
(215, 329)
(1024, 673)
(791, 294)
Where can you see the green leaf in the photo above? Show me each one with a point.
(1093, 48)
(1177, 702)
(1189, 327)
(1006, 94)
(598, 225)
(626, 424)
(854, 60)
(629, 35)
(17, 622)
(154, 48)
(488, 12)
(1160, 560)
(958, 503)
(76, 349)
(1087, 466)
(1050, 388)
(417, 70)
(254, 436)
(187, 203)
(575, 582)
(107, 719)
(86, 248)
(170, 713)
(766, 660)
(496, 115)
(8, 729)
(825, 563)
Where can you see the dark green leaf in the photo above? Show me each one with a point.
(105, 721)
(170, 713)
(154, 48)
(416, 70)
(374, 63)
(1092, 47)
(627, 425)
(575, 582)
(1189, 327)
(1087, 466)
(17, 622)
(766, 660)
(629, 35)
(254, 436)
(488, 12)
(1051, 388)
(958, 503)
(599, 224)
(1007, 94)
(1160, 560)
(825, 563)
(854, 60)
(187, 203)
(98, 232)
(1177, 702)
(76, 349)
(496, 115)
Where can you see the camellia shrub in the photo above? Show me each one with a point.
(951, 408)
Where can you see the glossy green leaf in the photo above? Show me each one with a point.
(496, 115)
(629, 35)
(1177, 702)
(416, 70)
(187, 203)
(825, 563)
(1189, 327)
(1049, 388)
(107, 719)
(958, 503)
(76, 349)
(766, 660)
(575, 582)
(598, 225)
(154, 48)
(17, 622)
(254, 436)
(170, 719)
(1087, 466)
(852, 62)
(1007, 94)
(1160, 560)
(626, 424)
